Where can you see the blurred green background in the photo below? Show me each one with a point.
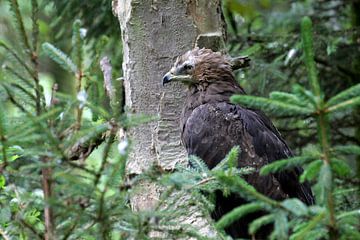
(268, 31)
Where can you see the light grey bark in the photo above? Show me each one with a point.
(154, 33)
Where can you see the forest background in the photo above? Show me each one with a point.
(54, 104)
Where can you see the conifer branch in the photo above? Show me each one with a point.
(307, 39)
(259, 222)
(287, 163)
(311, 171)
(309, 226)
(20, 25)
(18, 58)
(72, 228)
(38, 235)
(35, 25)
(343, 105)
(60, 57)
(77, 51)
(351, 92)
(322, 120)
(240, 184)
(16, 74)
(237, 213)
(348, 149)
(287, 97)
(14, 101)
(305, 95)
(81, 167)
(279, 108)
(3, 139)
(77, 44)
(21, 88)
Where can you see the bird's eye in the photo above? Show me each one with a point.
(188, 66)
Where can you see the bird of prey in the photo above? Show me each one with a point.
(211, 126)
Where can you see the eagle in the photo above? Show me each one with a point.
(211, 125)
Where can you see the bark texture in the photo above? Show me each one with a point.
(154, 33)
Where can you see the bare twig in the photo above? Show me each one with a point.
(47, 189)
(4, 235)
(107, 71)
(239, 62)
(28, 226)
(81, 150)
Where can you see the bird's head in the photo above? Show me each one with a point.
(199, 66)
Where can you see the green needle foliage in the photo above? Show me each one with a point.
(324, 166)
(62, 164)
(237, 213)
(60, 57)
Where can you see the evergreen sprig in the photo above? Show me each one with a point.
(15, 9)
(283, 164)
(309, 55)
(238, 213)
(275, 107)
(346, 95)
(60, 57)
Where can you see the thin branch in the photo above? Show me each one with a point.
(3, 234)
(101, 217)
(202, 182)
(16, 74)
(48, 211)
(13, 101)
(34, 55)
(18, 58)
(21, 26)
(321, 117)
(4, 146)
(239, 62)
(21, 88)
(77, 166)
(84, 146)
(33, 230)
(35, 24)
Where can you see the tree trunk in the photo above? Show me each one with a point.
(154, 33)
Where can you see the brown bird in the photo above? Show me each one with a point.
(211, 126)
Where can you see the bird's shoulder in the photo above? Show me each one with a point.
(224, 125)
(214, 116)
(212, 129)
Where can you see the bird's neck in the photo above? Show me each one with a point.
(210, 92)
(206, 92)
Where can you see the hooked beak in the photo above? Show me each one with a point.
(167, 78)
(170, 77)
